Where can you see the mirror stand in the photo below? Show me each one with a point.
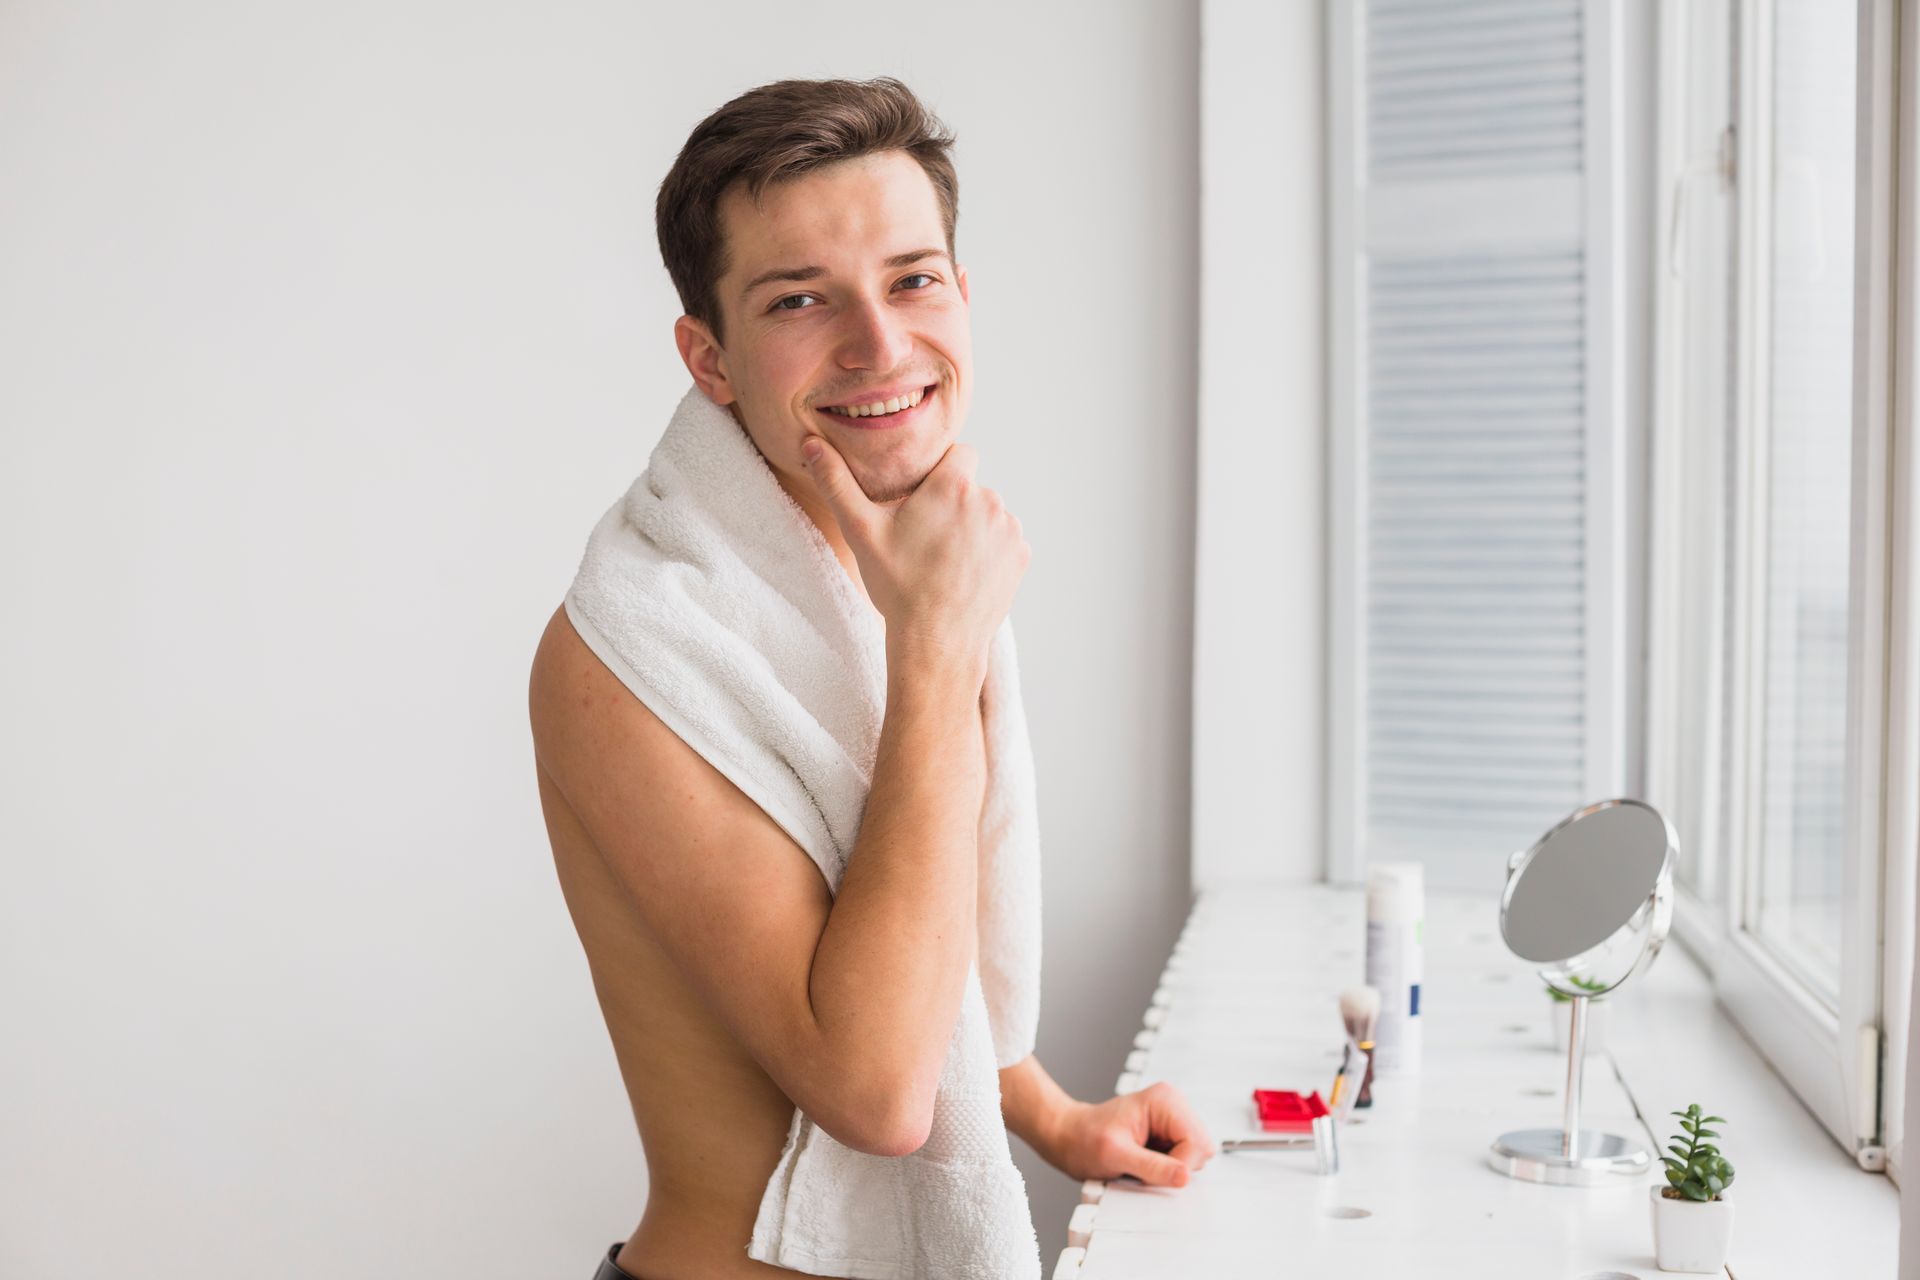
(1569, 1156)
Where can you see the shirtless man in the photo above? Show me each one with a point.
(734, 986)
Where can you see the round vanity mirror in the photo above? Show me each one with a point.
(1589, 903)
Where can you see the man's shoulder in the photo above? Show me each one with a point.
(587, 724)
(640, 792)
(561, 661)
(574, 701)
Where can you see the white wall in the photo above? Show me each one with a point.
(328, 331)
(1259, 749)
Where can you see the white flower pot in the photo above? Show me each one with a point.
(1596, 1024)
(1690, 1235)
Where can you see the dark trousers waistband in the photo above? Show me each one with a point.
(611, 1270)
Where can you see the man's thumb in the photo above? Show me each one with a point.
(1156, 1170)
(828, 471)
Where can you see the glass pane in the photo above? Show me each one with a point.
(1699, 540)
(1809, 465)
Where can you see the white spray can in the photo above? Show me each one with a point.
(1396, 920)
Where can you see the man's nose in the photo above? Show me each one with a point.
(875, 338)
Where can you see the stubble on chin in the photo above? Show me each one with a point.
(890, 495)
(891, 489)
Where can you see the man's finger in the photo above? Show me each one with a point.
(1171, 1118)
(959, 459)
(1153, 1168)
(828, 471)
(1192, 1152)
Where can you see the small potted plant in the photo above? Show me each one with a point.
(1596, 1015)
(1692, 1217)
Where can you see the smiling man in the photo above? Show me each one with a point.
(809, 229)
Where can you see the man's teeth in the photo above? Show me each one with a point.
(879, 408)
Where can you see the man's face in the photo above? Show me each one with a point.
(840, 294)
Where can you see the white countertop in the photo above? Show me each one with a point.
(1250, 998)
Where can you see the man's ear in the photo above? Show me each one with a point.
(960, 274)
(705, 359)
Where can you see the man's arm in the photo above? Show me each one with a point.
(1033, 1105)
(1126, 1135)
(848, 1004)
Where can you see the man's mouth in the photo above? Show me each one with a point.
(890, 411)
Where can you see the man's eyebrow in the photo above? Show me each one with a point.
(782, 273)
(912, 256)
(898, 260)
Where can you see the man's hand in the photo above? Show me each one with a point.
(1151, 1134)
(942, 566)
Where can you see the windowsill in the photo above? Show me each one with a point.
(1249, 997)
(1675, 1044)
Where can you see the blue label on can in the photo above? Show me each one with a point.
(1413, 1010)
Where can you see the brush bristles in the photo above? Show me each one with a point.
(1360, 1009)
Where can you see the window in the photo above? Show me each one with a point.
(1770, 596)
(1487, 498)
(1802, 436)
(1479, 618)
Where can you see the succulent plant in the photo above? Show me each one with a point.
(1584, 983)
(1697, 1171)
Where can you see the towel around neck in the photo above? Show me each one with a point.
(716, 600)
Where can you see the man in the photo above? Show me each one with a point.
(809, 230)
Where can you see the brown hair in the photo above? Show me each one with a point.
(775, 133)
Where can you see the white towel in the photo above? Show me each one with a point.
(713, 596)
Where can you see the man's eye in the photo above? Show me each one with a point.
(794, 297)
(921, 275)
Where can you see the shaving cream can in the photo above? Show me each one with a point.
(1396, 921)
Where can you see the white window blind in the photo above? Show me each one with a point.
(1475, 591)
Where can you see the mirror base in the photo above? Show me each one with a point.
(1533, 1155)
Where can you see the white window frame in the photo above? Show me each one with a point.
(1258, 773)
(1682, 174)
(1832, 1058)
(1900, 873)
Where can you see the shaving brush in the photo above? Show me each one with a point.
(1360, 1010)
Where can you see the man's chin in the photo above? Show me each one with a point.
(891, 487)
(890, 494)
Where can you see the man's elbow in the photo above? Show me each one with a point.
(893, 1120)
(899, 1139)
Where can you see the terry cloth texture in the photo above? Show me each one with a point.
(712, 596)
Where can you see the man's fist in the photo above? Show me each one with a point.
(1151, 1134)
